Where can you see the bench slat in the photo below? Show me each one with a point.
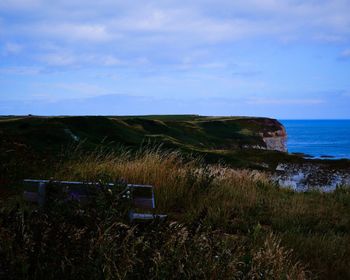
(145, 217)
(31, 196)
(143, 203)
(142, 196)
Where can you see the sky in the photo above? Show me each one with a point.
(274, 58)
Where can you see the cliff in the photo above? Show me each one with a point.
(239, 139)
(272, 133)
(275, 139)
(175, 131)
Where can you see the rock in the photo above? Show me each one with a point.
(281, 167)
(325, 156)
(276, 143)
(275, 137)
(310, 176)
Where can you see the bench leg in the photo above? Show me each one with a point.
(41, 193)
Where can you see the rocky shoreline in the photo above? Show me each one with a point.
(325, 173)
(311, 176)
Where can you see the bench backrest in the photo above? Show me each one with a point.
(141, 196)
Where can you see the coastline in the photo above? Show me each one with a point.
(318, 139)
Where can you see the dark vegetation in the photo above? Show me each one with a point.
(224, 222)
(35, 139)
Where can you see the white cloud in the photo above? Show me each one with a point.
(21, 70)
(57, 59)
(12, 48)
(110, 60)
(63, 57)
(345, 54)
(329, 38)
(74, 31)
(19, 4)
(194, 22)
(100, 59)
(83, 89)
(117, 33)
(186, 26)
(66, 91)
(276, 101)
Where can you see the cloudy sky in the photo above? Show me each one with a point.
(282, 59)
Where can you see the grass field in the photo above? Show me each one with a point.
(179, 131)
(28, 139)
(223, 222)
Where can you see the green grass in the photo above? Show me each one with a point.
(221, 132)
(164, 117)
(213, 136)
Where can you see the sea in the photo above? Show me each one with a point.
(328, 139)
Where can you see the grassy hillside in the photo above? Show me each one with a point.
(36, 139)
(196, 132)
(29, 144)
(223, 224)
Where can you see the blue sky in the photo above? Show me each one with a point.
(281, 59)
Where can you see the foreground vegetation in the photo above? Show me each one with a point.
(223, 224)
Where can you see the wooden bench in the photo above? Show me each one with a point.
(140, 196)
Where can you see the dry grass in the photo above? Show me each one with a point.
(181, 185)
(273, 260)
(230, 224)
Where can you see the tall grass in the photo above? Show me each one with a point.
(223, 224)
(182, 185)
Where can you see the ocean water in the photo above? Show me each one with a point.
(319, 137)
